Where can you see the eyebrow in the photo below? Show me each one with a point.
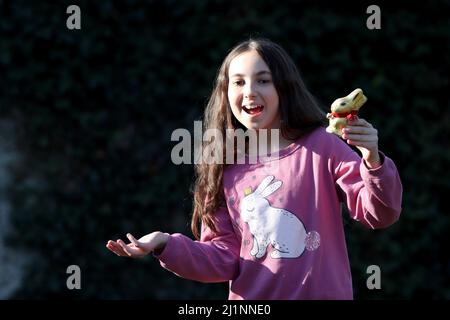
(258, 73)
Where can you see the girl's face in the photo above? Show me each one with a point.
(251, 93)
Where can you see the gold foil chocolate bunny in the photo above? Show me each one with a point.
(344, 109)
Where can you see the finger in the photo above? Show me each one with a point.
(113, 249)
(117, 253)
(362, 144)
(360, 129)
(124, 247)
(359, 122)
(119, 249)
(116, 248)
(111, 245)
(131, 250)
(133, 239)
(360, 137)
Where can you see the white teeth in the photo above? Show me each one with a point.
(253, 106)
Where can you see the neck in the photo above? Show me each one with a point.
(267, 141)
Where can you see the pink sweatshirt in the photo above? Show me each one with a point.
(281, 233)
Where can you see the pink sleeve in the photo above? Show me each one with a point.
(373, 196)
(215, 258)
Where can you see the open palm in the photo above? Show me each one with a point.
(136, 248)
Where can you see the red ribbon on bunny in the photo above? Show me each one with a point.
(352, 115)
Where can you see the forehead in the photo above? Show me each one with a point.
(247, 63)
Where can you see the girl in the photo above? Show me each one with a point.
(273, 229)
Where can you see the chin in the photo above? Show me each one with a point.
(253, 126)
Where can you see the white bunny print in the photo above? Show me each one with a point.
(277, 227)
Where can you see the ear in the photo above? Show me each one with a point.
(272, 188)
(266, 181)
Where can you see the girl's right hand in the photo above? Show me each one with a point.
(139, 248)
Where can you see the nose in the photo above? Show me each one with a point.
(249, 90)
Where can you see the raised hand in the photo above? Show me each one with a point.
(364, 136)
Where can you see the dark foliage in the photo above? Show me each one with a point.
(95, 108)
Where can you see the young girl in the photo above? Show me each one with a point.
(273, 228)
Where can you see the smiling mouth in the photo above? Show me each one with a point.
(253, 109)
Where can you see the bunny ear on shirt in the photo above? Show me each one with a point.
(272, 188)
(266, 181)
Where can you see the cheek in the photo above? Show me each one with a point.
(232, 103)
(230, 96)
(276, 98)
(233, 97)
(270, 94)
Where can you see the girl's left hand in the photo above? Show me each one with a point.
(364, 136)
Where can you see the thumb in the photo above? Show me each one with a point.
(133, 240)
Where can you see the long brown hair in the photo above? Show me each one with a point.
(299, 114)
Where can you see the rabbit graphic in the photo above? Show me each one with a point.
(277, 227)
